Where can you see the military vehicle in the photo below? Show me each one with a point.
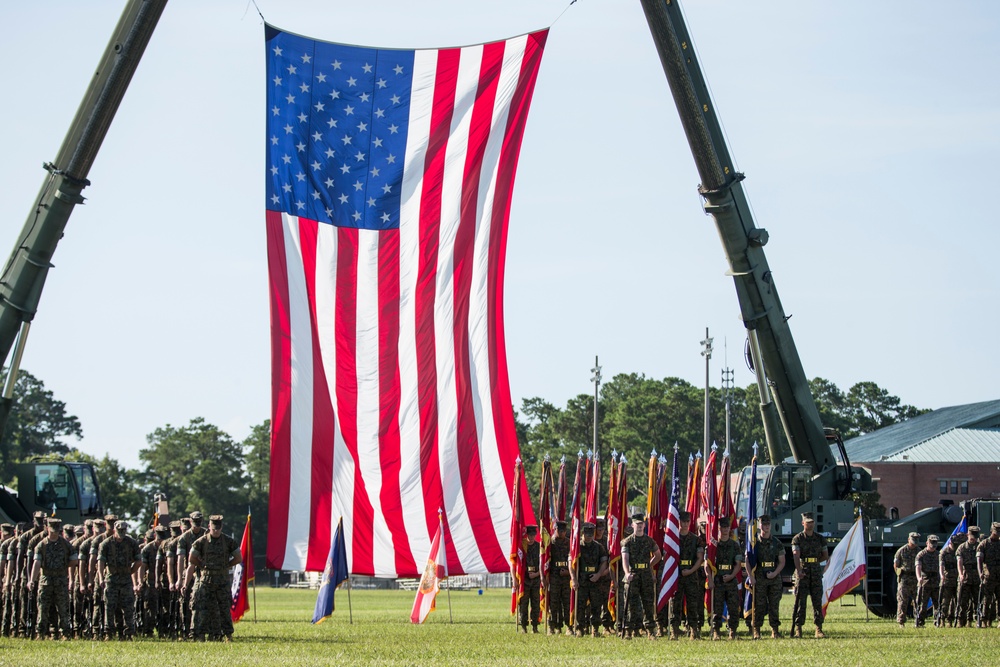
(67, 490)
(819, 478)
(72, 487)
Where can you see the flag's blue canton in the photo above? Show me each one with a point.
(336, 130)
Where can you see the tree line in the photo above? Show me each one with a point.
(200, 466)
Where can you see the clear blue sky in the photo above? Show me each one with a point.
(868, 133)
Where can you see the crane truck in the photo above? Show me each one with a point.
(66, 489)
(819, 478)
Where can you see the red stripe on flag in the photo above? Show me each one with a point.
(321, 467)
(469, 463)
(281, 391)
(389, 397)
(363, 517)
(430, 224)
(503, 415)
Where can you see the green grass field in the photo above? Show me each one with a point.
(483, 633)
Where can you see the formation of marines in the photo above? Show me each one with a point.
(96, 581)
(956, 586)
(718, 585)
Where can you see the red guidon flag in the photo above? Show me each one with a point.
(389, 181)
(243, 576)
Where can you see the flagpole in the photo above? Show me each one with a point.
(451, 618)
(861, 516)
(250, 550)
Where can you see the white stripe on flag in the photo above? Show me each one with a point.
(494, 481)
(342, 503)
(369, 456)
(418, 131)
(463, 537)
(302, 397)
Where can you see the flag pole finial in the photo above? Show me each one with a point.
(622, 458)
(676, 446)
(698, 455)
(562, 459)
(546, 456)
(755, 449)
(579, 454)
(653, 455)
(715, 447)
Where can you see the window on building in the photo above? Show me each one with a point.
(954, 487)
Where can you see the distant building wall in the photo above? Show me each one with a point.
(914, 486)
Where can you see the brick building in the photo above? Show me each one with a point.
(947, 455)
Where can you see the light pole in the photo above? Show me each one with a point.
(727, 394)
(596, 379)
(707, 353)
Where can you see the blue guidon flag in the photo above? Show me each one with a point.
(389, 178)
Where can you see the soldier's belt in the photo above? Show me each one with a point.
(590, 569)
(532, 568)
(685, 563)
(54, 572)
(640, 566)
(810, 560)
(769, 563)
(561, 563)
(725, 568)
(119, 570)
(215, 570)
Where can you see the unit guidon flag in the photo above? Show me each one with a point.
(389, 182)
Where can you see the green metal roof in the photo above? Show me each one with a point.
(891, 440)
(966, 445)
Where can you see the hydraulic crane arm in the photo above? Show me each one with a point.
(742, 241)
(24, 273)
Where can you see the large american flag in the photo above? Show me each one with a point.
(389, 181)
(670, 574)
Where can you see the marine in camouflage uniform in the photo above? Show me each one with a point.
(106, 527)
(173, 622)
(905, 563)
(214, 554)
(948, 568)
(988, 557)
(968, 579)
(809, 551)
(54, 560)
(532, 582)
(728, 558)
(592, 565)
(30, 609)
(690, 590)
(184, 545)
(559, 580)
(118, 560)
(22, 567)
(930, 580)
(149, 588)
(601, 536)
(766, 579)
(639, 556)
(7, 537)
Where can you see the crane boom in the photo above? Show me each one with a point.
(743, 242)
(25, 272)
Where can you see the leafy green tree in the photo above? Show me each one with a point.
(870, 408)
(38, 425)
(198, 467)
